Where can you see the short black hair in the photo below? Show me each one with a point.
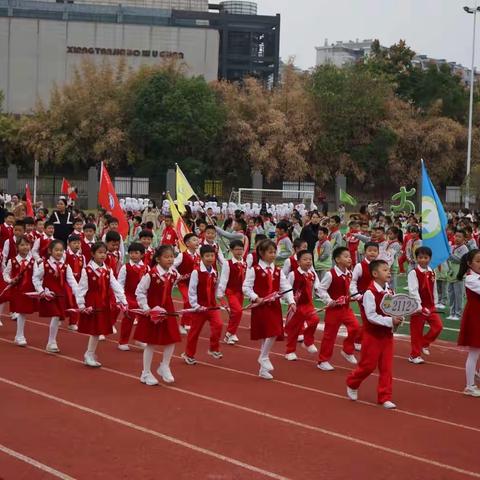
(338, 251)
(211, 227)
(376, 264)
(324, 230)
(302, 253)
(49, 223)
(112, 220)
(371, 245)
(335, 218)
(282, 225)
(136, 247)
(260, 238)
(235, 244)
(149, 225)
(73, 238)
(145, 233)
(20, 223)
(204, 249)
(188, 236)
(9, 214)
(90, 226)
(297, 243)
(423, 251)
(112, 236)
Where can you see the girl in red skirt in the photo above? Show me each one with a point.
(155, 292)
(18, 275)
(469, 335)
(262, 281)
(53, 279)
(95, 289)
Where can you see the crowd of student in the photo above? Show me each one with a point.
(98, 277)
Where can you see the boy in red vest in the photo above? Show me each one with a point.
(252, 257)
(78, 227)
(113, 260)
(210, 239)
(40, 247)
(201, 295)
(423, 287)
(146, 239)
(88, 240)
(10, 245)
(230, 285)
(304, 282)
(291, 263)
(377, 344)
(352, 241)
(129, 277)
(75, 259)
(169, 236)
(361, 280)
(334, 291)
(185, 263)
(29, 223)
(6, 228)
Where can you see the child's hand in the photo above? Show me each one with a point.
(258, 300)
(292, 308)
(331, 304)
(397, 321)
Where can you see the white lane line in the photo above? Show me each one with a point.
(348, 438)
(139, 428)
(35, 463)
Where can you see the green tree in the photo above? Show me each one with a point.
(9, 146)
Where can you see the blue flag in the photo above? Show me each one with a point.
(434, 222)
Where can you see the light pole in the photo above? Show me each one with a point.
(473, 11)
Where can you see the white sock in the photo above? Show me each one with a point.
(147, 358)
(168, 354)
(267, 345)
(52, 334)
(471, 365)
(20, 326)
(92, 344)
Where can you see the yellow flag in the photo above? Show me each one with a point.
(184, 190)
(181, 228)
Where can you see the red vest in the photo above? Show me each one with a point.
(5, 232)
(12, 248)
(43, 247)
(31, 238)
(25, 284)
(86, 250)
(188, 264)
(236, 277)
(426, 284)
(206, 288)
(264, 286)
(132, 279)
(303, 287)
(98, 294)
(340, 286)
(55, 280)
(293, 263)
(113, 261)
(254, 259)
(372, 328)
(169, 236)
(76, 262)
(366, 279)
(160, 290)
(148, 257)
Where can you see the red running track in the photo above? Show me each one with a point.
(220, 421)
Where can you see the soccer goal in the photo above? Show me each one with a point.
(259, 196)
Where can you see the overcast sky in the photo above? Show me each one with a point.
(437, 28)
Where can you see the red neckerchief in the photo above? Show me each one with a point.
(281, 238)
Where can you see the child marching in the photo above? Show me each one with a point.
(159, 325)
(75, 259)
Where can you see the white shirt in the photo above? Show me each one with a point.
(325, 285)
(250, 280)
(472, 282)
(193, 285)
(249, 260)
(220, 256)
(83, 285)
(39, 273)
(413, 286)
(121, 248)
(8, 269)
(356, 276)
(287, 266)
(142, 289)
(179, 258)
(36, 246)
(316, 282)
(122, 274)
(224, 277)
(371, 308)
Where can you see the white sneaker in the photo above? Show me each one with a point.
(114, 329)
(215, 355)
(52, 348)
(101, 338)
(123, 348)
(352, 394)
(472, 391)
(265, 374)
(456, 318)
(148, 379)
(183, 330)
(229, 339)
(389, 405)
(426, 351)
(310, 348)
(300, 338)
(91, 361)
(325, 366)
(440, 306)
(73, 327)
(140, 344)
(349, 358)
(416, 360)
(14, 316)
(166, 374)
(453, 317)
(21, 341)
(234, 338)
(188, 360)
(291, 356)
(266, 364)
(358, 347)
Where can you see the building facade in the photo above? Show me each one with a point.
(41, 42)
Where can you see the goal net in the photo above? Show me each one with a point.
(274, 197)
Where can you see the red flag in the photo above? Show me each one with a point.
(107, 198)
(67, 189)
(28, 197)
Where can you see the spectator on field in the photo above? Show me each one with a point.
(62, 220)
(151, 214)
